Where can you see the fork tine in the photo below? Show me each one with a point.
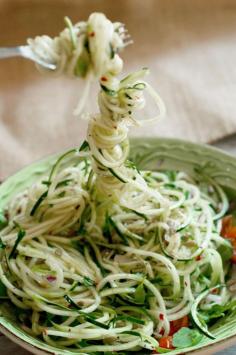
(128, 43)
(26, 52)
(126, 37)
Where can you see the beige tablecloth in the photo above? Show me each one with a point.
(189, 45)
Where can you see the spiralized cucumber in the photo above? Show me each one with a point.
(98, 256)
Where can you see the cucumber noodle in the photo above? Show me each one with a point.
(86, 49)
(99, 256)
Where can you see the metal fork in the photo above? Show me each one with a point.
(26, 52)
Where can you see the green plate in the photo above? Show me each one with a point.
(152, 154)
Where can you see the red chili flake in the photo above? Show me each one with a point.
(162, 331)
(51, 278)
(92, 34)
(215, 290)
(104, 78)
(161, 316)
(199, 257)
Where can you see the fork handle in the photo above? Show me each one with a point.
(8, 52)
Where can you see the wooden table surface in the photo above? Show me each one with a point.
(9, 348)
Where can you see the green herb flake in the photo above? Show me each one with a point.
(116, 175)
(82, 64)
(38, 202)
(83, 219)
(140, 294)
(3, 221)
(112, 52)
(84, 146)
(128, 96)
(108, 91)
(218, 311)
(3, 290)
(49, 319)
(87, 317)
(93, 321)
(171, 175)
(114, 226)
(186, 195)
(132, 332)
(186, 337)
(86, 167)
(2, 245)
(63, 183)
(225, 250)
(106, 229)
(73, 287)
(142, 215)
(130, 164)
(169, 186)
(71, 302)
(139, 86)
(82, 343)
(45, 182)
(19, 238)
(88, 282)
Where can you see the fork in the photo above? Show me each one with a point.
(25, 52)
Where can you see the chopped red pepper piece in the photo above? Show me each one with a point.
(227, 222)
(229, 231)
(178, 324)
(166, 342)
(233, 259)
